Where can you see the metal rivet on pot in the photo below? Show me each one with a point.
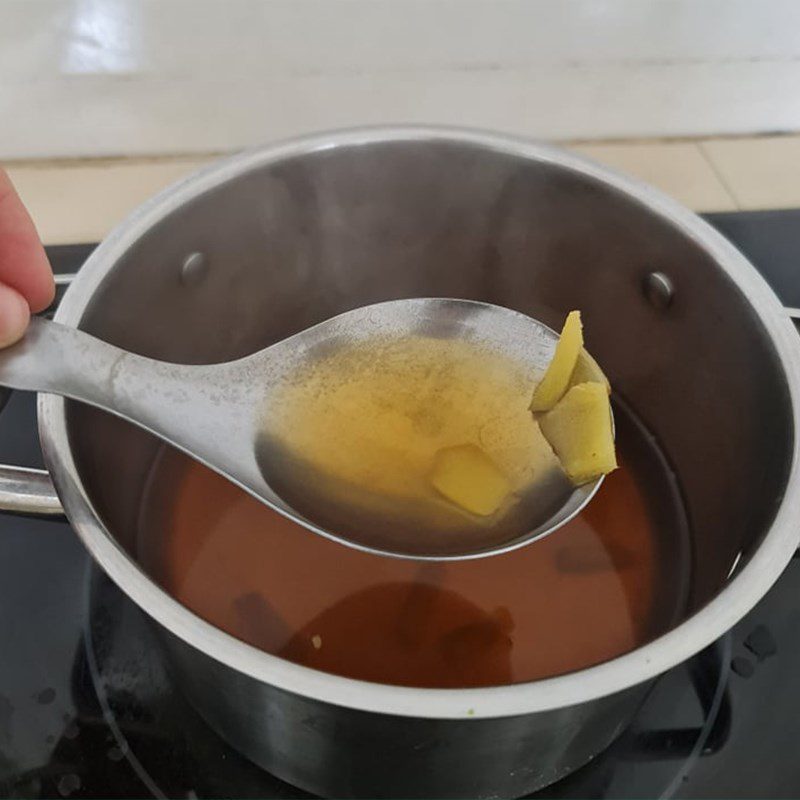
(658, 289)
(193, 269)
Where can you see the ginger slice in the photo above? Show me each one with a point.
(579, 431)
(466, 476)
(559, 372)
(587, 370)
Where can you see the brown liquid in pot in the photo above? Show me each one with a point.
(610, 580)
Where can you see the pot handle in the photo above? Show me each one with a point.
(26, 491)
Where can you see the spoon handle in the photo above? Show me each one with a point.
(55, 358)
(183, 404)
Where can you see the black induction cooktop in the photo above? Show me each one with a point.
(87, 708)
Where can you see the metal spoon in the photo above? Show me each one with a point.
(215, 413)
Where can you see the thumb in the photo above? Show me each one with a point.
(14, 315)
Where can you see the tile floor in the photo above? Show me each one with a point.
(685, 94)
(78, 201)
(88, 78)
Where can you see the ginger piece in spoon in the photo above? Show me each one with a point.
(466, 476)
(579, 430)
(559, 372)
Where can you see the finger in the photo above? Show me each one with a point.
(23, 263)
(14, 315)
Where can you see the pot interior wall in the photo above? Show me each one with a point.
(295, 242)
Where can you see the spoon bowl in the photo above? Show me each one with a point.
(217, 413)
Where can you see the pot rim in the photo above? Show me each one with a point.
(701, 629)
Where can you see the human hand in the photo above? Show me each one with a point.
(26, 279)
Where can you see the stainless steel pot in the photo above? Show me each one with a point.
(266, 243)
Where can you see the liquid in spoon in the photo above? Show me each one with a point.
(358, 431)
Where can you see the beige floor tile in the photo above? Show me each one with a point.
(678, 168)
(761, 172)
(81, 202)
